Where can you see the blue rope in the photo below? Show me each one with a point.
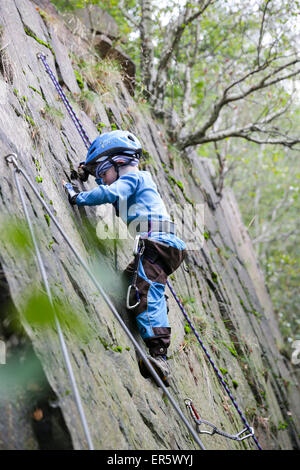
(213, 364)
(66, 102)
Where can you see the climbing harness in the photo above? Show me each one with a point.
(12, 159)
(83, 134)
(250, 429)
(138, 250)
(235, 437)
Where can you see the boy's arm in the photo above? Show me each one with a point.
(120, 189)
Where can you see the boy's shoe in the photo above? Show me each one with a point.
(161, 367)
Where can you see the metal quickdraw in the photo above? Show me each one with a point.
(138, 250)
(235, 437)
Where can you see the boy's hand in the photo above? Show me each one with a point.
(70, 191)
(82, 172)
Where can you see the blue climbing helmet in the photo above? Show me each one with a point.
(108, 148)
(113, 143)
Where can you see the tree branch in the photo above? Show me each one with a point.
(173, 36)
(187, 83)
(186, 102)
(263, 83)
(286, 143)
(200, 136)
(174, 33)
(205, 5)
(245, 133)
(261, 31)
(147, 47)
(272, 237)
(125, 13)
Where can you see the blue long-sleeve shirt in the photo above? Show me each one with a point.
(135, 197)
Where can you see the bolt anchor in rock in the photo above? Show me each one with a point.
(12, 158)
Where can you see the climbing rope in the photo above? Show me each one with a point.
(9, 159)
(84, 136)
(214, 366)
(66, 102)
(12, 159)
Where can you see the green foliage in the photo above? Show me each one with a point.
(187, 328)
(108, 346)
(47, 218)
(29, 120)
(98, 76)
(15, 234)
(231, 348)
(54, 112)
(282, 426)
(100, 126)
(235, 384)
(71, 5)
(173, 182)
(79, 79)
(39, 312)
(104, 342)
(68, 5)
(270, 208)
(35, 305)
(30, 33)
(35, 90)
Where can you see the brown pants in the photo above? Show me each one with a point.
(157, 263)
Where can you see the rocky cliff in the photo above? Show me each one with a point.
(220, 283)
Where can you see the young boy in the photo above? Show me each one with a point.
(113, 160)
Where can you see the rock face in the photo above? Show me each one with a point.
(97, 20)
(220, 284)
(105, 49)
(98, 27)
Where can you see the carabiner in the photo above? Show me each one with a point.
(130, 307)
(136, 245)
(251, 434)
